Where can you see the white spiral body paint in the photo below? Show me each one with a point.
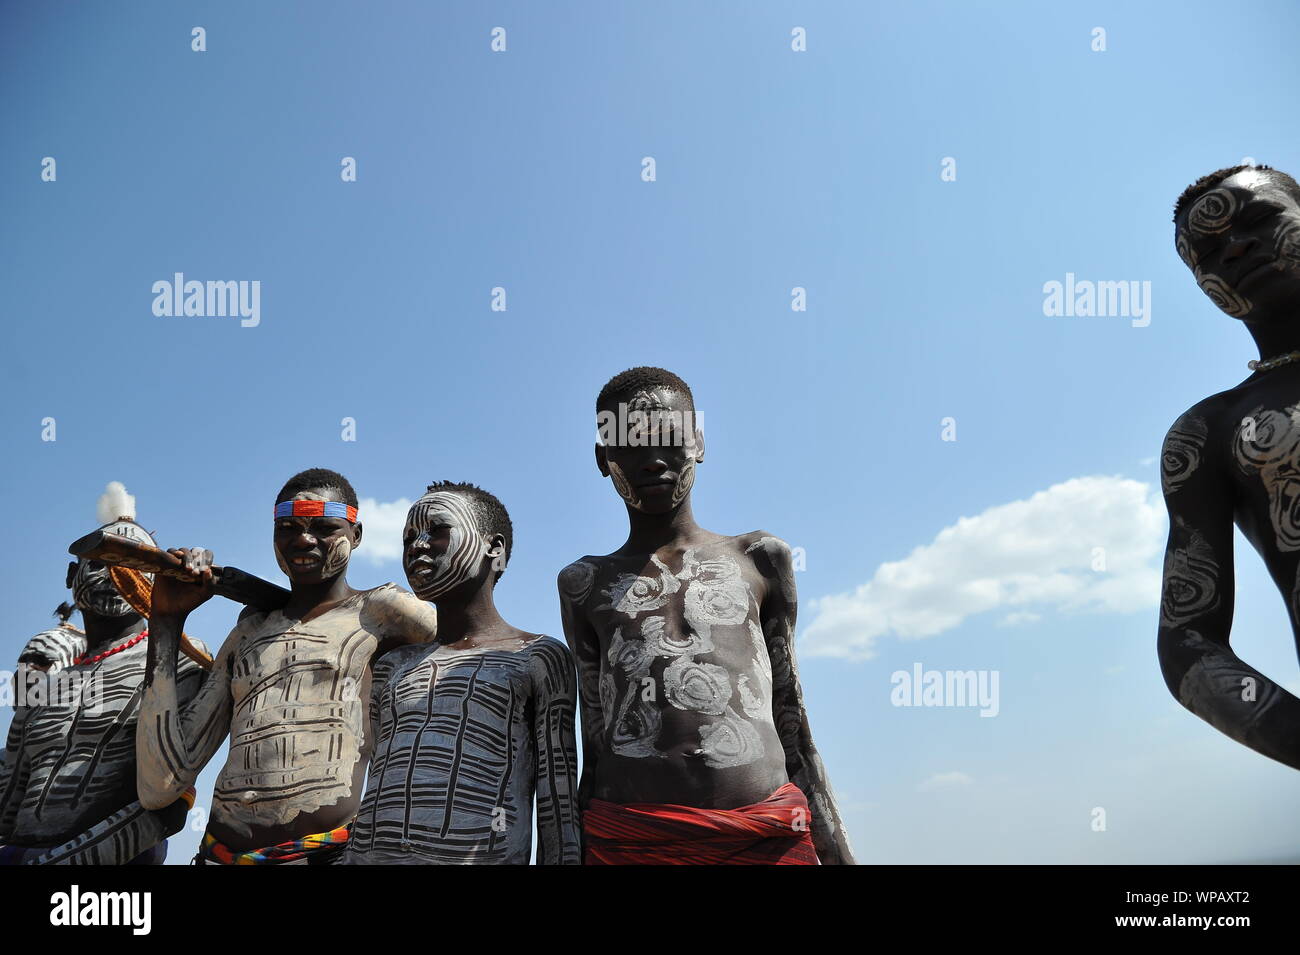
(708, 592)
(431, 576)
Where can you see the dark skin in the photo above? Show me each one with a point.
(1229, 459)
(666, 760)
(467, 614)
(303, 546)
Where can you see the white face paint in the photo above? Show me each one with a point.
(338, 550)
(432, 574)
(1249, 204)
(653, 421)
(336, 547)
(623, 485)
(92, 588)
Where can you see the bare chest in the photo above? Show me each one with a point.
(322, 661)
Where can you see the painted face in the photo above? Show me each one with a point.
(313, 549)
(1242, 242)
(442, 544)
(92, 588)
(652, 452)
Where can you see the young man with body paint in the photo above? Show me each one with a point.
(68, 771)
(289, 687)
(696, 746)
(1235, 457)
(469, 729)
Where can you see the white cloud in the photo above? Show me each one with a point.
(383, 522)
(1020, 617)
(944, 781)
(1039, 552)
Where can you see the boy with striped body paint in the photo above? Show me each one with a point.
(67, 773)
(473, 729)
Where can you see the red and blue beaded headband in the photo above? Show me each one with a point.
(316, 509)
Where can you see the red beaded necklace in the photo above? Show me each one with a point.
(78, 661)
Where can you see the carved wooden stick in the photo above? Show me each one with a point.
(230, 582)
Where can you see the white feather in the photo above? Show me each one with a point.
(115, 503)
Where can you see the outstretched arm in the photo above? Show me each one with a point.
(803, 764)
(1196, 604)
(398, 618)
(559, 830)
(575, 583)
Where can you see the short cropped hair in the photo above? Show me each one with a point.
(1203, 185)
(318, 479)
(627, 383)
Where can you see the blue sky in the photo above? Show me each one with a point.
(775, 169)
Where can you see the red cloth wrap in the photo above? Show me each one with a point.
(776, 831)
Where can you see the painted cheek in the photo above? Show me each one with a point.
(340, 550)
(685, 481)
(93, 590)
(623, 486)
(1286, 245)
(283, 564)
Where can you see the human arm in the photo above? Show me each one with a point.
(1196, 604)
(559, 829)
(398, 618)
(777, 612)
(575, 584)
(175, 739)
(122, 836)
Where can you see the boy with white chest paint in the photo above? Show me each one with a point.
(471, 729)
(288, 687)
(696, 745)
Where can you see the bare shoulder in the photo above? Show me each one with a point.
(770, 554)
(578, 578)
(548, 649)
(401, 657)
(58, 646)
(250, 619)
(392, 612)
(551, 664)
(1197, 439)
(1209, 415)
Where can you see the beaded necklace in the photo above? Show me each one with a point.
(77, 661)
(1273, 362)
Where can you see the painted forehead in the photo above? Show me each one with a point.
(1212, 212)
(319, 494)
(655, 398)
(442, 506)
